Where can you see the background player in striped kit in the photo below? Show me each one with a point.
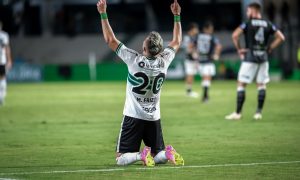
(191, 60)
(209, 49)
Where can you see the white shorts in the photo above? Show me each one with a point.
(191, 67)
(249, 70)
(207, 69)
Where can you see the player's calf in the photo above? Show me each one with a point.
(206, 85)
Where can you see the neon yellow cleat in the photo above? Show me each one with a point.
(147, 158)
(173, 156)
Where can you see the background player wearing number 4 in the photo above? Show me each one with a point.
(146, 74)
(255, 57)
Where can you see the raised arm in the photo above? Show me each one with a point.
(108, 33)
(177, 32)
(236, 41)
(279, 38)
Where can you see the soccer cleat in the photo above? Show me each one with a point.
(146, 157)
(257, 116)
(233, 116)
(205, 100)
(192, 94)
(173, 156)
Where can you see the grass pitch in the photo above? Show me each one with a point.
(69, 131)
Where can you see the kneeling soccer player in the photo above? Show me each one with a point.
(146, 75)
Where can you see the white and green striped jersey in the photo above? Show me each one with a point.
(4, 41)
(145, 79)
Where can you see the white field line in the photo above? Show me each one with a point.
(144, 168)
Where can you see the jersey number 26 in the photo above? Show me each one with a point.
(149, 85)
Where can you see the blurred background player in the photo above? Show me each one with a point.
(146, 74)
(209, 49)
(191, 60)
(255, 57)
(5, 62)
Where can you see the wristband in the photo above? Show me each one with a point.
(103, 16)
(177, 18)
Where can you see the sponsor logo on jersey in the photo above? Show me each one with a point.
(155, 66)
(147, 65)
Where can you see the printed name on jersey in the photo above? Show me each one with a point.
(146, 100)
(261, 23)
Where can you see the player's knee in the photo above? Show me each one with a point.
(206, 83)
(261, 87)
(242, 84)
(241, 88)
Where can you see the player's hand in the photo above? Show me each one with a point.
(242, 53)
(195, 55)
(216, 57)
(175, 8)
(270, 50)
(101, 6)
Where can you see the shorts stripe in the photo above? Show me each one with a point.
(120, 135)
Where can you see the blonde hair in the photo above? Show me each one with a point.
(154, 43)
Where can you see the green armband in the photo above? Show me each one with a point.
(103, 16)
(177, 18)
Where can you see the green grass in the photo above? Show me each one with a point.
(74, 126)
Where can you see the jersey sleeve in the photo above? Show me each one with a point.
(273, 28)
(168, 55)
(126, 54)
(243, 26)
(6, 40)
(216, 41)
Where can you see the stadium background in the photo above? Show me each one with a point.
(60, 40)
